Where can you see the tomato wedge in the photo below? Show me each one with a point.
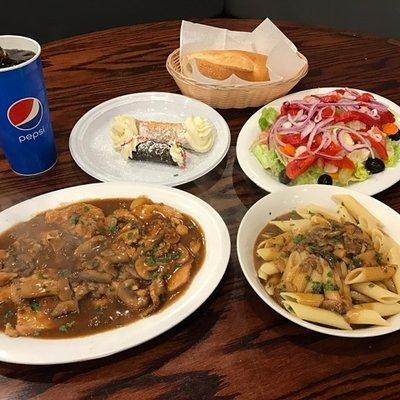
(386, 117)
(288, 108)
(348, 116)
(366, 97)
(331, 150)
(344, 163)
(380, 148)
(298, 167)
(330, 98)
(293, 139)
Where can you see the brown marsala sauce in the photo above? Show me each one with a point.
(11, 57)
(96, 312)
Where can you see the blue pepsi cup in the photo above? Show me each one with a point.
(26, 134)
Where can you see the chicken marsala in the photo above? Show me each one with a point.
(95, 265)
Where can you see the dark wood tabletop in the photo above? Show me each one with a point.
(234, 346)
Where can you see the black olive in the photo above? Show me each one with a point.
(325, 179)
(374, 165)
(396, 136)
(283, 178)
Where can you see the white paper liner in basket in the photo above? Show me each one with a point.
(283, 61)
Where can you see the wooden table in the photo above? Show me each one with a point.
(234, 346)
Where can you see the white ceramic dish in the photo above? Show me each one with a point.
(281, 202)
(91, 146)
(57, 351)
(253, 169)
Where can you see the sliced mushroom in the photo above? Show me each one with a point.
(195, 246)
(115, 258)
(65, 307)
(144, 270)
(157, 288)
(136, 300)
(94, 276)
(182, 229)
(140, 201)
(6, 277)
(29, 288)
(184, 254)
(179, 278)
(89, 246)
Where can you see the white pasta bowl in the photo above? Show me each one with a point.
(28, 350)
(278, 203)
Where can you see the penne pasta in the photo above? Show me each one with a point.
(374, 291)
(332, 267)
(278, 240)
(365, 317)
(396, 279)
(293, 225)
(268, 268)
(308, 299)
(368, 274)
(311, 210)
(268, 253)
(317, 315)
(384, 310)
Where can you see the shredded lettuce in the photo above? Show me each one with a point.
(393, 149)
(268, 117)
(268, 158)
(361, 173)
(310, 176)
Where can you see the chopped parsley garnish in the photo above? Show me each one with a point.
(151, 261)
(66, 327)
(308, 278)
(176, 174)
(355, 262)
(74, 219)
(162, 297)
(166, 258)
(329, 274)
(86, 208)
(317, 287)
(40, 275)
(153, 274)
(290, 308)
(371, 285)
(113, 229)
(9, 314)
(379, 258)
(330, 286)
(298, 238)
(130, 235)
(167, 275)
(293, 214)
(34, 305)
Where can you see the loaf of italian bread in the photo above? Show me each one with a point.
(221, 64)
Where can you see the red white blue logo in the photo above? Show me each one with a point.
(25, 114)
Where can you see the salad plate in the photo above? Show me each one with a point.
(345, 137)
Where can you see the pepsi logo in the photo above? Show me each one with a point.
(25, 114)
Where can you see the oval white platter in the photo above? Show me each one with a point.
(281, 202)
(91, 145)
(25, 350)
(252, 168)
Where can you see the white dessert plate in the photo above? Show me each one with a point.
(91, 145)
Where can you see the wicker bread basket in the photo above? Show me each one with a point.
(243, 96)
